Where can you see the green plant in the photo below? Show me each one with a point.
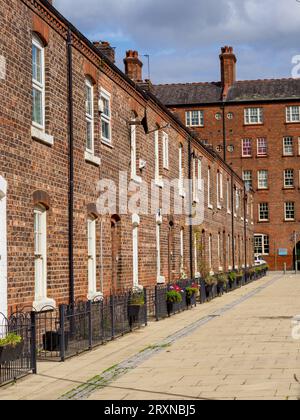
(232, 276)
(11, 339)
(222, 278)
(137, 299)
(190, 292)
(173, 297)
(211, 280)
(239, 274)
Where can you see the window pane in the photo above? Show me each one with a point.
(105, 130)
(261, 147)
(37, 72)
(106, 107)
(89, 101)
(37, 106)
(89, 135)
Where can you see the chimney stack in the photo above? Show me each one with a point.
(133, 66)
(106, 49)
(228, 69)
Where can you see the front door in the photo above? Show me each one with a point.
(3, 248)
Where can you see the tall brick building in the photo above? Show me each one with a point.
(69, 119)
(255, 126)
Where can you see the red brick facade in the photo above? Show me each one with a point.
(38, 174)
(224, 124)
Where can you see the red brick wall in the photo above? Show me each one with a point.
(274, 129)
(29, 166)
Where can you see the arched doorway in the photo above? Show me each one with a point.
(297, 256)
(3, 247)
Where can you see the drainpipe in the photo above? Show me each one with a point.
(232, 221)
(245, 225)
(71, 167)
(191, 209)
(224, 132)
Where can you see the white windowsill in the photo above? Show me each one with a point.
(219, 207)
(44, 305)
(210, 206)
(182, 193)
(91, 158)
(159, 183)
(161, 280)
(107, 143)
(197, 275)
(95, 296)
(41, 136)
(137, 179)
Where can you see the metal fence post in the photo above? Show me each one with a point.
(33, 342)
(156, 303)
(62, 332)
(101, 308)
(89, 308)
(112, 309)
(146, 306)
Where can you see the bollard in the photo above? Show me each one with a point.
(284, 268)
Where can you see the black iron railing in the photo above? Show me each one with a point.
(17, 358)
(73, 329)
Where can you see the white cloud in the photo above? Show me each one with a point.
(184, 37)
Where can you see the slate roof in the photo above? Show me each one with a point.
(247, 90)
(188, 94)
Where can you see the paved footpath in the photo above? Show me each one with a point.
(239, 346)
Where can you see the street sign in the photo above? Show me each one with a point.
(282, 252)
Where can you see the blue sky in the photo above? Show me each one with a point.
(184, 37)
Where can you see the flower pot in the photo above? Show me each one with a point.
(208, 291)
(170, 306)
(133, 311)
(52, 341)
(11, 353)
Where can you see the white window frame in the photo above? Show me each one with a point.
(160, 279)
(41, 301)
(189, 118)
(264, 244)
(106, 118)
(248, 178)
(260, 147)
(200, 180)
(210, 262)
(182, 249)
(180, 170)
(135, 250)
(228, 197)
(289, 175)
(209, 203)
(286, 210)
(195, 180)
(92, 258)
(253, 116)
(249, 141)
(39, 86)
(165, 141)
(288, 149)
(133, 152)
(90, 117)
(261, 180)
(261, 210)
(158, 178)
(290, 114)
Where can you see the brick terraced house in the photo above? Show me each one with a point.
(255, 126)
(69, 119)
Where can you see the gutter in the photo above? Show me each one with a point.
(71, 167)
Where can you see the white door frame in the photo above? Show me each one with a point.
(3, 247)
